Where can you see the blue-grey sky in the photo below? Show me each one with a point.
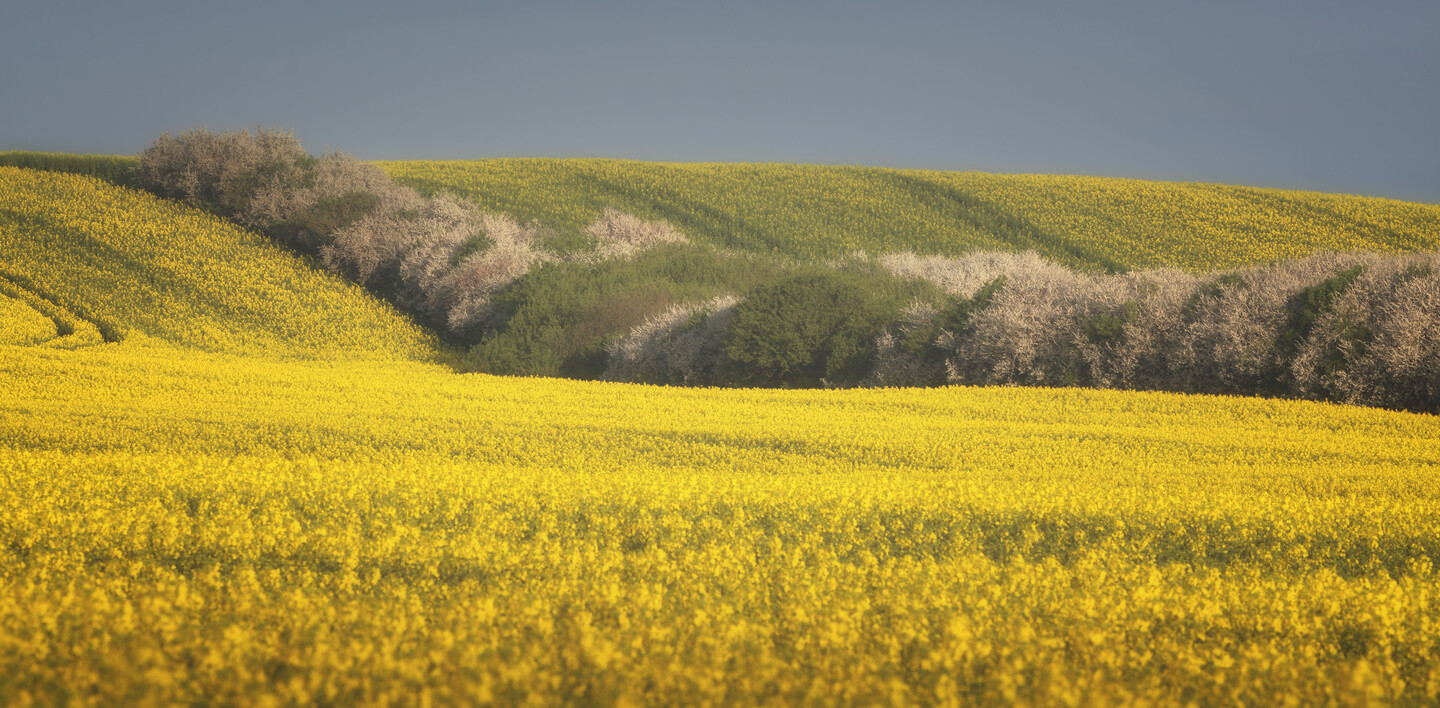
(1334, 96)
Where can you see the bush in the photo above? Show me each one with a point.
(318, 222)
(966, 274)
(465, 293)
(1240, 339)
(266, 181)
(619, 235)
(308, 207)
(815, 327)
(684, 345)
(1355, 328)
(559, 318)
(1313, 303)
(1033, 331)
(912, 351)
(953, 318)
(1132, 345)
(218, 171)
(1375, 339)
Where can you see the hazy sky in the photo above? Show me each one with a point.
(1335, 96)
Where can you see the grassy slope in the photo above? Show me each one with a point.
(131, 264)
(814, 211)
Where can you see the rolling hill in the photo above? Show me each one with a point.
(230, 477)
(88, 254)
(825, 212)
(809, 211)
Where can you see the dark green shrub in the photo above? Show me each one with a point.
(953, 317)
(1108, 326)
(1351, 340)
(1312, 303)
(814, 327)
(569, 243)
(318, 224)
(1211, 291)
(556, 319)
(476, 243)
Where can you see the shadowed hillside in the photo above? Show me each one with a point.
(82, 255)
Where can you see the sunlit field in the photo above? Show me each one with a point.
(227, 476)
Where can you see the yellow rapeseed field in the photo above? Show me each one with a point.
(292, 512)
(138, 265)
(180, 527)
(22, 324)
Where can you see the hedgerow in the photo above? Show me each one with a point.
(629, 299)
(439, 257)
(1359, 328)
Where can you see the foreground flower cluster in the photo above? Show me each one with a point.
(180, 527)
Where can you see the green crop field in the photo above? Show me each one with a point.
(825, 212)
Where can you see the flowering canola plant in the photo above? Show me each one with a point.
(182, 526)
(22, 324)
(284, 514)
(136, 265)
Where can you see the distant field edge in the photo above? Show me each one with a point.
(114, 169)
